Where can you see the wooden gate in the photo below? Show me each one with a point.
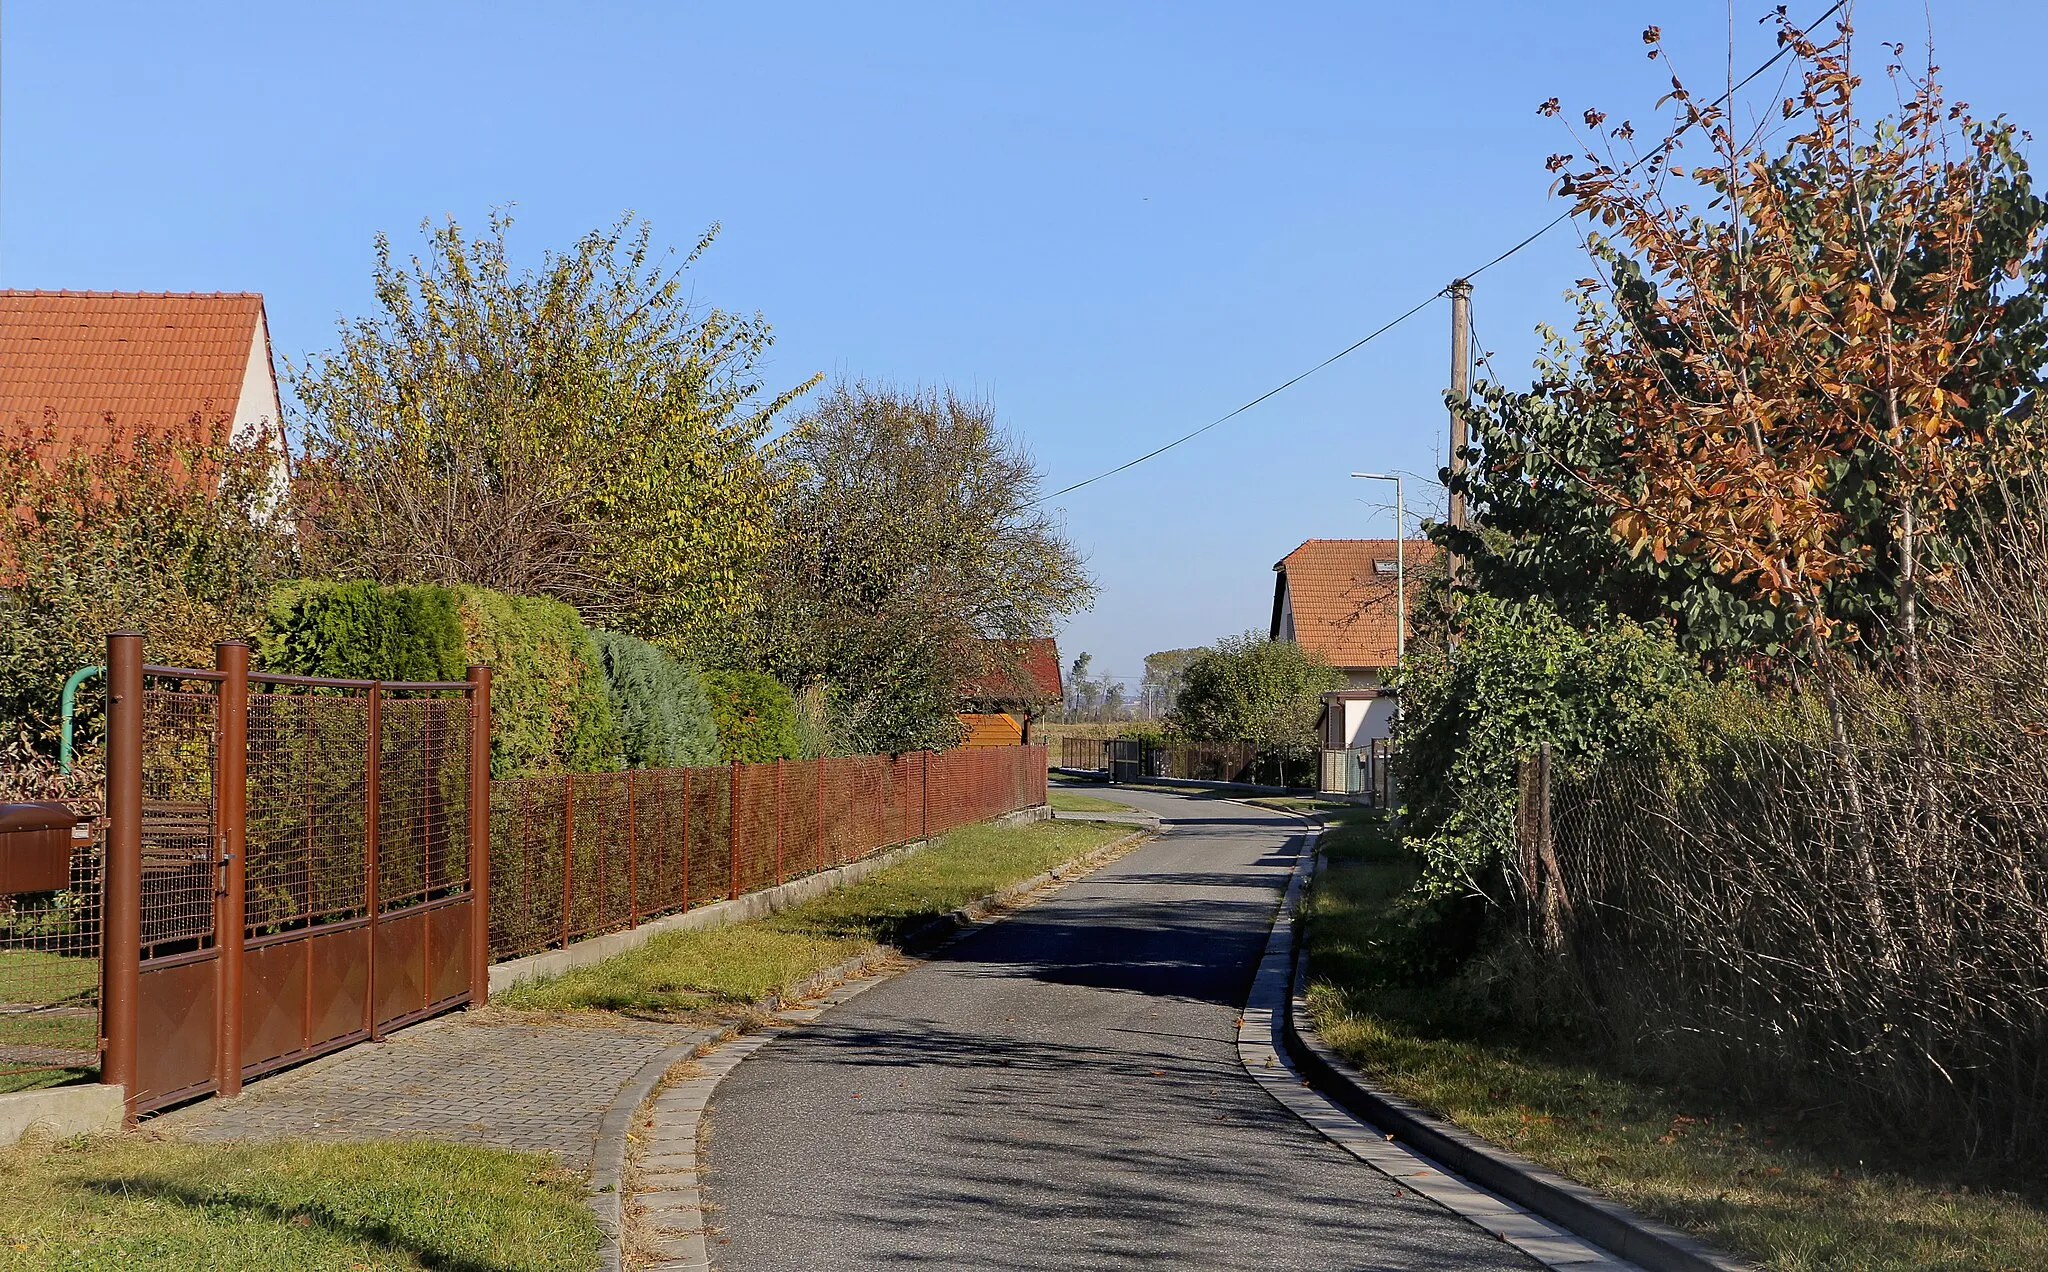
(293, 865)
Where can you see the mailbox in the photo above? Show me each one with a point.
(35, 847)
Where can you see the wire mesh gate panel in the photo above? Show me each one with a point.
(50, 969)
(578, 854)
(298, 856)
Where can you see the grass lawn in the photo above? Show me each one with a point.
(1066, 801)
(32, 976)
(1793, 1195)
(36, 1079)
(720, 971)
(1300, 804)
(132, 1204)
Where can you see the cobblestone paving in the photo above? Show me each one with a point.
(489, 1079)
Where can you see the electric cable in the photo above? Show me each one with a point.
(1419, 306)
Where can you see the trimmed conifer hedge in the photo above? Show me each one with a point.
(550, 707)
(755, 716)
(665, 719)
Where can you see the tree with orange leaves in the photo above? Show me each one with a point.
(1810, 374)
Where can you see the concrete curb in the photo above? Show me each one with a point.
(1537, 1189)
(753, 905)
(1262, 1050)
(678, 1217)
(608, 1158)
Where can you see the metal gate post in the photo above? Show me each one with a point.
(121, 915)
(373, 897)
(479, 835)
(231, 809)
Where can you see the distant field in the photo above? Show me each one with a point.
(1049, 733)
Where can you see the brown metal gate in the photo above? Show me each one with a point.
(293, 864)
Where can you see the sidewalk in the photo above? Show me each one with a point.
(507, 1080)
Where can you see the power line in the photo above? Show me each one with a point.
(1419, 306)
(1221, 419)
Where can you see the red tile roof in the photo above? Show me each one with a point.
(1020, 673)
(150, 360)
(1343, 606)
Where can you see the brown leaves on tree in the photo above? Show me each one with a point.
(1824, 309)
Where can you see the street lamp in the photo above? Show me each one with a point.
(1400, 564)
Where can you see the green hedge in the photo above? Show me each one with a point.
(755, 716)
(664, 716)
(550, 708)
(361, 631)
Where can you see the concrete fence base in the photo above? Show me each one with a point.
(754, 905)
(61, 1112)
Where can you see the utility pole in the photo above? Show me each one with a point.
(1461, 390)
(1461, 386)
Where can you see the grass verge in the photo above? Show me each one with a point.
(130, 1204)
(1064, 801)
(720, 971)
(1790, 1193)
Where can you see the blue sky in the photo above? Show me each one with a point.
(1119, 221)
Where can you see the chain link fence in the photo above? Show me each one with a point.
(1848, 925)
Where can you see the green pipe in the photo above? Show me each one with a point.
(77, 678)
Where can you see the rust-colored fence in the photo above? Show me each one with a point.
(1130, 759)
(50, 970)
(576, 854)
(287, 865)
(291, 865)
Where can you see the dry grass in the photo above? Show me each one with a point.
(1789, 1191)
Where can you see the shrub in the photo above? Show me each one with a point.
(755, 716)
(362, 631)
(1250, 689)
(162, 530)
(1519, 676)
(663, 713)
(550, 709)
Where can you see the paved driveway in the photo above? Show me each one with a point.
(1062, 1090)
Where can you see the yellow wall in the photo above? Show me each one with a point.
(992, 730)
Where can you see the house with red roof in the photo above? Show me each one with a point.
(1338, 597)
(94, 365)
(1019, 678)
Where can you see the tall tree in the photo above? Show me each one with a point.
(908, 537)
(1817, 368)
(576, 430)
(1251, 689)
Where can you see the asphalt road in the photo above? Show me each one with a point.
(1062, 1090)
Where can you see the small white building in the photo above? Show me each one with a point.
(1338, 597)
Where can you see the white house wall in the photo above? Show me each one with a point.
(1367, 720)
